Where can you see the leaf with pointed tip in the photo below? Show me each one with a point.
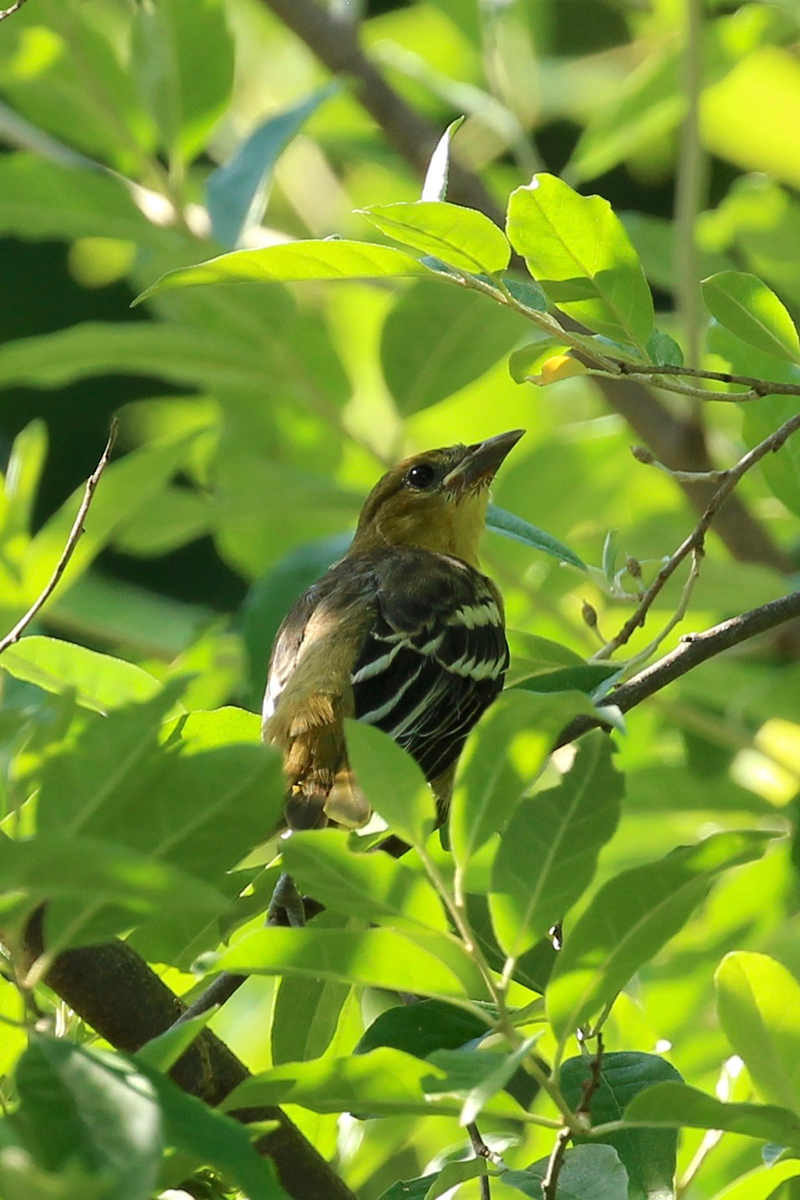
(752, 311)
(336, 258)
(579, 253)
(631, 917)
(460, 237)
(520, 530)
(548, 851)
(435, 185)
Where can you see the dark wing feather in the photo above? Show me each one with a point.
(435, 657)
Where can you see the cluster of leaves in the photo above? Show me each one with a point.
(138, 802)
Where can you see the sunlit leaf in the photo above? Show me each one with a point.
(548, 851)
(333, 258)
(758, 1001)
(752, 311)
(460, 237)
(677, 1105)
(629, 920)
(578, 251)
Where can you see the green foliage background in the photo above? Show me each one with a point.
(150, 137)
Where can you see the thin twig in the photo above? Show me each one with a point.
(757, 388)
(694, 542)
(550, 1181)
(69, 549)
(9, 12)
(481, 1150)
(695, 648)
(590, 1086)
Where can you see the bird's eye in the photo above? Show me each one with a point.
(420, 476)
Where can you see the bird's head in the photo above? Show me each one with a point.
(436, 500)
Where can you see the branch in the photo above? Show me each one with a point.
(693, 544)
(114, 990)
(9, 12)
(74, 534)
(757, 388)
(334, 41)
(695, 648)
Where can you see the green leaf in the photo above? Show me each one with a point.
(588, 1173)
(373, 886)
(455, 1173)
(100, 681)
(162, 1052)
(435, 185)
(752, 311)
(782, 469)
(664, 350)
(431, 965)
(503, 755)
(391, 781)
(306, 1011)
(548, 851)
(384, 1082)
(234, 192)
(199, 802)
(760, 1183)
(42, 199)
(758, 1002)
(494, 1080)
(422, 1028)
(93, 1107)
(590, 678)
(578, 251)
(183, 59)
(648, 1155)
(181, 354)
(96, 872)
(124, 487)
(210, 1137)
(324, 259)
(460, 237)
(438, 339)
(677, 1106)
(520, 530)
(631, 917)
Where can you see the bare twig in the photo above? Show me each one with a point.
(481, 1150)
(556, 1161)
(9, 12)
(550, 1181)
(757, 388)
(694, 542)
(591, 1084)
(69, 549)
(695, 648)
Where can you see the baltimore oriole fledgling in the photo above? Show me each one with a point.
(404, 633)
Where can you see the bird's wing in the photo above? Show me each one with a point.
(309, 693)
(434, 657)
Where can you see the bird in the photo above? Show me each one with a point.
(404, 633)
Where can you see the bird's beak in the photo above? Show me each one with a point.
(481, 462)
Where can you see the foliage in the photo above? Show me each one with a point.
(309, 318)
